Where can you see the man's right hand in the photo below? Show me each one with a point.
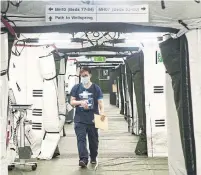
(84, 104)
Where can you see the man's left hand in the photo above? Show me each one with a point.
(102, 117)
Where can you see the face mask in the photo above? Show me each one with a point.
(85, 80)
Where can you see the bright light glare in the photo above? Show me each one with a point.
(143, 37)
(55, 38)
(51, 41)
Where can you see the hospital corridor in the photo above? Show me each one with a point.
(117, 78)
(116, 153)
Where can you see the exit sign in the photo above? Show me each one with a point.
(99, 59)
(159, 58)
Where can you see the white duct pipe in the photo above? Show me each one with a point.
(3, 104)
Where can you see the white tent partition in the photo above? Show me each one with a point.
(28, 72)
(155, 103)
(128, 101)
(11, 145)
(135, 114)
(27, 85)
(50, 105)
(3, 103)
(194, 44)
(123, 90)
(176, 162)
(61, 94)
(34, 84)
(71, 71)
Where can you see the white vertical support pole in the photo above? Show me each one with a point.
(155, 103)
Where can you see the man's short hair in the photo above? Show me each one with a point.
(85, 69)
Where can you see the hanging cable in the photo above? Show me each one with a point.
(17, 4)
(7, 7)
(16, 52)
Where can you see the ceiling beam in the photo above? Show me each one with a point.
(92, 27)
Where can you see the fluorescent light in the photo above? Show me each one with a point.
(54, 38)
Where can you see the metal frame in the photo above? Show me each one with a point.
(99, 48)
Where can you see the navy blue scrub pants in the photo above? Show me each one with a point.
(82, 130)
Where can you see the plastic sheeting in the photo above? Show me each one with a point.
(3, 103)
(194, 40)
(176, 61)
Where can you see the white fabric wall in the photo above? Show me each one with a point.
(3, 104)
(61, 94)
(34, 85)
(28, 71)
(25, 71)
(194, 44)
(176, 162)
(124, 96)
(128, 100)
(155, 103)
(11, 153)
(50, 93)
(135, 113)
(51, 120)
(70, 70)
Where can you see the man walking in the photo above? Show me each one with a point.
(87, 97)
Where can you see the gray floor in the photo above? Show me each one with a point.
(116, 154)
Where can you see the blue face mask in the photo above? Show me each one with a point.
(85, 80)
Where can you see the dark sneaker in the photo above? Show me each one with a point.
(93, 161)
(82, 164)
